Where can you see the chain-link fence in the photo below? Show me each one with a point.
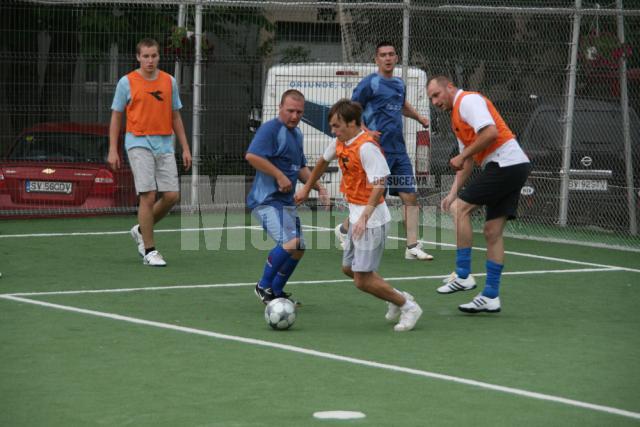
(564, 74)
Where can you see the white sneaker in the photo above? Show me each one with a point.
(408, 318)
(481, 303)
(417, 253)
(342, 237)
(154, 259)
(137, 237)
(453, 283)
(393, 312)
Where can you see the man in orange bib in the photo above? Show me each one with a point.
(364, 174)
(152, 104)
(483, 138)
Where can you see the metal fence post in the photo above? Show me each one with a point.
(177, 72)
(624, 103)
(197, 74)
(568, 126)
(406, 22)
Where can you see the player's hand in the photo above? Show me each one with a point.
(457, 163)
(113, 160)
(445, 204)
(301, 195)
(324, 199)
(359, 228)
(186, 159)
(424, 121)
(375, 135)
(284, 185)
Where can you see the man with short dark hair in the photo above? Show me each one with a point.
(384, 100)
(483, 138)
(152, 104)
(364, 174)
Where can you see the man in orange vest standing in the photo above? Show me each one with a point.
(152, 104)
(364, 173)
(483, 138)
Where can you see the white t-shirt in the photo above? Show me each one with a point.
(474, 111)
(375, 166)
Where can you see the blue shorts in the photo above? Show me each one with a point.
(281, 223)
(401, 179)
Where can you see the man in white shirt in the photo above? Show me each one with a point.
(364, 173)
(484, 138)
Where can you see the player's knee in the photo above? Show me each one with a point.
(297, 254)
(491, 234)
(409, 199)
(460, 209)
(361, 281)
(171, 197)
(360, 284)
(147, 198)
(294, 247)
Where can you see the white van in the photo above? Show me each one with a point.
(325, 83)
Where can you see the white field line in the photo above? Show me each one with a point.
(292, 282)
(337, 357)
(174, 230)
(115, 233)
(522, 254)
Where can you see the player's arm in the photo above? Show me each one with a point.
(311, 181)
(263, 165)
(485, 137)
(304, 175)
(376, 170)
(178, 129)
(461, 177)
(409, 111)
(113, 159)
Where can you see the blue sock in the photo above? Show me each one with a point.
(283, 275)
(276, 259)
(492, 287)
(463, 262)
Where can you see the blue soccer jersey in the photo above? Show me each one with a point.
(382, 100)
(282, 147)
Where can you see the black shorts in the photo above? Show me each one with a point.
(498, 189)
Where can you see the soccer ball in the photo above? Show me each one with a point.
(280, 313)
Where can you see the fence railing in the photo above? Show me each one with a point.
(564, 75)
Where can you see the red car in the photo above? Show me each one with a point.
(59, 169)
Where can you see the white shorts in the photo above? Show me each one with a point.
(153, 172)
(364, 255)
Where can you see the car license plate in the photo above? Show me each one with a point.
(48, 187)
(588, 184)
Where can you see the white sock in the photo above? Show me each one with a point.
(408, 304)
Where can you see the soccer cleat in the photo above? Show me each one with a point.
(481, 303)
(290, 298)
(408, 318)
(137, 237)
(453, 283)
(393, 312)
(154, 259)
(265, 295)
(417, 253)
(342, 238)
